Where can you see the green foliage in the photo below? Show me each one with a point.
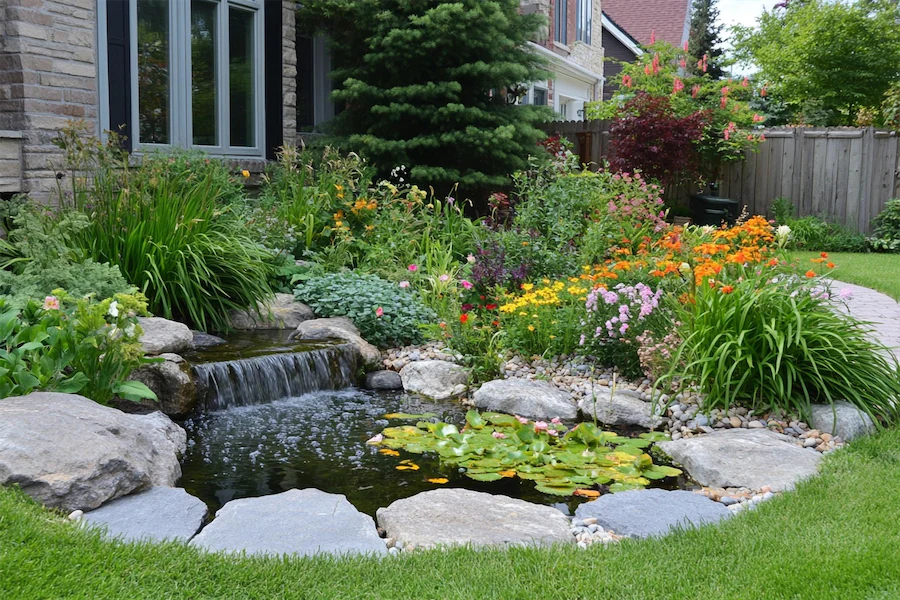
(890, 108)
(494, 446)
(100, 280)
(827, 60)
(780, 344)
(887, 228)
(165, 226)
(704, 39)
(812, 233)
(360, 297)
(414, 94)
(72, 346)
(783, 209)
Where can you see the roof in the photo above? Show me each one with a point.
(620, 34)
(639, 18)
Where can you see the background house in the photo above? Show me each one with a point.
(670, 19)
(618, 45)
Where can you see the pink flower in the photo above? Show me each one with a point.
(470, 259)
(553, 432)
(51, 303)
(466, 284)
(745, 82)
(404, 285)
(540, 426)
(379, 311)
(444, 278)
(521, 420)
(626, 80)
(556, 420)
(413, 268)
(499, 436)
(677, 86)
(376, 440)
(652, 36)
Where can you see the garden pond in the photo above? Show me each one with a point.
(276, 415)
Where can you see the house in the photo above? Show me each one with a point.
(669, 20)
(217, 75)
(619, 46)
(573, 46)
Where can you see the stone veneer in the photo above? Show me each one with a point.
(289, 72)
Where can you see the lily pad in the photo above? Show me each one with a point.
(408, 416)
(484, 476)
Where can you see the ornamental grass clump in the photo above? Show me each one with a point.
(770, 340)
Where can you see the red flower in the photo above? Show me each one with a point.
(491, 307)
(463, 318)
(824, 255)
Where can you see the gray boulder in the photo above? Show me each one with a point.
(160, 513)
(844, 420)
(645, 513)
(384, 380)
(619, 409)
(340, 328)
(162, 335)
(454, 517)
(751, 458)
(536, 399)
(437, 379)
(282, 312)
(301, 522)
(202, 341)
(68, 452)
(171, 381)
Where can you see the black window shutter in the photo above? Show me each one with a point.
(118, 51)
(274, 101)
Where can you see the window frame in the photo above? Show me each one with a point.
(584, 21)
(180, 101)
(561, 21)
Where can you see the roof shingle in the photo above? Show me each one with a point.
(669, 18)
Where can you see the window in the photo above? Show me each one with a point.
(561, 21)
(314, 105)
(584, 17)
(199, 77)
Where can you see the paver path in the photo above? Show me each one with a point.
(879, 309)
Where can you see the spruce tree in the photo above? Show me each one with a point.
(431, 84)
(704, 36)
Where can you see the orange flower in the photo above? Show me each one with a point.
(727, 289)
(830, 265)
(810, 274)
(463, 318)
(773, 262)
(824, 255)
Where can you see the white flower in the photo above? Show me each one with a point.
(114, 309)
(129, 331)
(685, 268)
(707, 229)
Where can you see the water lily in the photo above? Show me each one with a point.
(540, 426)
(498, 435)
(556, 420)
(51, 303)
(521, 420)
(376, 439)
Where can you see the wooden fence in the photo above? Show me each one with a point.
(844, 175)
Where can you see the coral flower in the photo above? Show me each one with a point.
(727, 289)
(810, 274)
(830, 265)
(379, 311)
(463, 318)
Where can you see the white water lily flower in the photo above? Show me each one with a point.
(114, 309)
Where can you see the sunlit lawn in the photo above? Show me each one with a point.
(877, 271)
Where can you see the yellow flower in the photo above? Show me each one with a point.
(546, 281)
(370, 227)
(245, 173)
(523, 314)
(552, 337)
(527, 287)
(339, 223)
(531, 328)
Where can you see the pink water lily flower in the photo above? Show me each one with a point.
(522, 420)
(379, 311)
(540, 426)
(553, 432)
(499, 436)
(556, 420)
(376, 439)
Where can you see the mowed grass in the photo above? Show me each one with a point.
(837, 536)
(877, 271)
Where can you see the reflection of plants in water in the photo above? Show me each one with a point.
(203, 77)
(153, 84)
(560, 461)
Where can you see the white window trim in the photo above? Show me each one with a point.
(181, 127)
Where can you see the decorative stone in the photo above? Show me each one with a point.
(202, 341)
(160, 513)
(68, 452)
(451, 517)
(340, 328)
(283, 312)
(384, 380)
(171, 381)
(162, 335)
(645, 513)
(621, 409)
(527, 398)
(437, 379)
(300, 522)
(844, 420)
(733, 458)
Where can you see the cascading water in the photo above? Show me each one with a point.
(262, 379)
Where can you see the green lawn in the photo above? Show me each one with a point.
(837, 536)
(877, 271)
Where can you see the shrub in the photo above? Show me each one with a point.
(385, 314)
(887, 228)
(72, 346)
(776, 341)
(812, 233)
(35, 281)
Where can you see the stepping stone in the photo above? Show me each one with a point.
(751, 458)
(535, 399)
(844, 420)
(454, 517)
(161, 513)
(645, 513)
(300, 522)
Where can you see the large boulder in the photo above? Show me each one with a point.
(282, 312)
(453, 517)
(536, 399)
(160, 513)
(384, 380)
(751, 458)
(300, 522)
(172, 382)
(204, 341)
(162, 335)
(620, 409)
(437, 379)
(340, 328)
(843, 420)
(69, 452)
(645, 513)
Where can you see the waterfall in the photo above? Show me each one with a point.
(262, 379)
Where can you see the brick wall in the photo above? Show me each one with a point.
(48, 76)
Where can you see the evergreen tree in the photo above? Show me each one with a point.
(432, 84)
(704, 36)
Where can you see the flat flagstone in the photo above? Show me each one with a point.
(160, 513)
(299, 522)
(882, 311)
